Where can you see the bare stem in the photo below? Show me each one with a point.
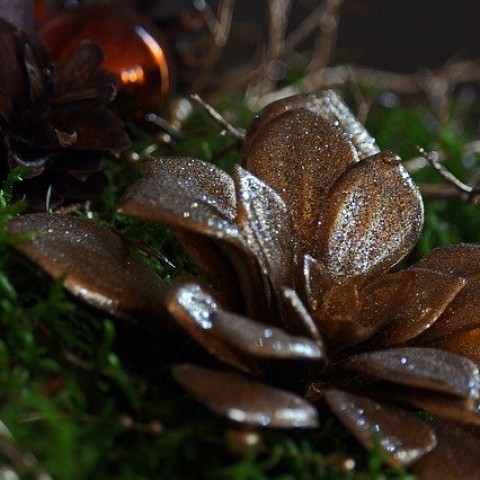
(432, 158)
(326, 40)
(237, 133)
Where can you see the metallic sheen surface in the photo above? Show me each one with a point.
(93, 263)
(244, 400)
(373, 219)
(401, 435)
(262, 340)
(425, 368)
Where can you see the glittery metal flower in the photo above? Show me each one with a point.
(54, 118)
(298, 247)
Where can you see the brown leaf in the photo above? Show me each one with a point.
(402, 436)
(244, 400)
(426, 368)
(300, 155)
(373, 218)
(402, 305)
(455, 457)
(261, 340)
(93, 263)
(267, 226)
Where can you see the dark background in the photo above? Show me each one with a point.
(401, 35)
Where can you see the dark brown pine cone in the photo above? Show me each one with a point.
(54, 119)
(299, 247)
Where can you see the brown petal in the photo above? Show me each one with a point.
(184, 192)
(244, 400)
(93, 263)
(77, 71)
(199, 198)
(210, 259)
(332, 107)
(402, 436)
(267, 226)
(442, 406)
(404, 304)
(326, 104)
(337, 318)
(262, 340)
(192, 305)
(465, 343)
(463, 313)
(455, 457)
(426, 368)
(300, 155)
(296, 317)
(96, 131)
(373, 218)
(14, 84)
(314, 280)
(255, 286)
(462, 260)
(197, 178)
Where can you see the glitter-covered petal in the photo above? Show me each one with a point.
(267, 226)
(327, 105)
(244, 400)
(337, 317)
(462, 260)
(373, 218)
(261, 340)
(401, 435)
(196, 197)
(192, 306)
(93, 263)
(185, 193)
(406, 303)
(300, 155)
(296, 317)
(463, 313)
(464, 342)
(448, 407)
(425, 368)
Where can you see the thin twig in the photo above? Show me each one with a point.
(402, 83)
(304, 30)
(432, 158)
(219, 26)
(237, 133)
(326, 40)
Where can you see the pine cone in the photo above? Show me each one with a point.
(54, 118)
(299, 250)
